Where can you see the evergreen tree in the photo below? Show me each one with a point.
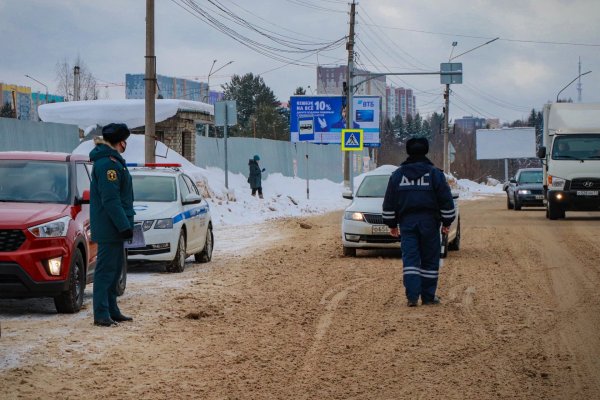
(6, 111)
(300, 91)
(398, 127)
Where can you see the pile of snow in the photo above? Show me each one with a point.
(283, 196)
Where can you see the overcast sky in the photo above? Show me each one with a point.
(505, 79)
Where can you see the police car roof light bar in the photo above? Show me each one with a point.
(154, 165)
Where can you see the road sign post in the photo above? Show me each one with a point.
(225, 115)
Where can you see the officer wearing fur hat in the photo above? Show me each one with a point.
(418, 200)
(111, 219)
(255, 176)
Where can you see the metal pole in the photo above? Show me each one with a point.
(506, 170)
(446, 166)
(350, 74)
(225, 140)
(307, 180)
(150, 85)
(76, 83)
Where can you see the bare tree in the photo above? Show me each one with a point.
(65, 80)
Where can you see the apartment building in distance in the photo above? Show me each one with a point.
(23, 102)
(400, 101)
(170, 88)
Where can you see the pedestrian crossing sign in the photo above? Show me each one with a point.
(352, 139)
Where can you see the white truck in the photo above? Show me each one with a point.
(571, 157)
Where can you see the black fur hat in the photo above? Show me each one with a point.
(417, 146)
(114, 133)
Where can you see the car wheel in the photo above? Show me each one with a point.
(508, 203)
(71, 300)
(444, 248)
(455, 244)
(122, 284)
(554, 211)
(517, 204)
(206, 254)
(178, 263)
(349, 251)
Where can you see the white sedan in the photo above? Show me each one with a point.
(362, 223)
(175, 219)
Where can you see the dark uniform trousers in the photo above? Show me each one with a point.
(420, 240)
(108, 270)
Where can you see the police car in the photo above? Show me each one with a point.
(173, 216)
(362, 223)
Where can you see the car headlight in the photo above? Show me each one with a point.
(56, 228)
(147, 224)
(166, 223)
(556, 183)
(524, 191)
(353, 215)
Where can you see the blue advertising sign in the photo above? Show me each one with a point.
(320, 119)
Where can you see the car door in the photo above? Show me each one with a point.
(199, 217)
(82, 182)
(189, 219)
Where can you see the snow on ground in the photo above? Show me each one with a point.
(283, 196)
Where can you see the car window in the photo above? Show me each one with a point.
(34, 181)
(373, 186)
(191, 186)
(531, 177)
(160, 189)
(183, 188)
(83, 178)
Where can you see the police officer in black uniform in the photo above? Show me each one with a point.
(111, 219)
(418, 200)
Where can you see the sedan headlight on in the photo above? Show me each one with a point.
(353, 215)
(56, 228)
(166, 223)
(556, 183)
(524, 191)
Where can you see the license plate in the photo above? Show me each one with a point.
(381, 229)
(587, 193)
(539, 197)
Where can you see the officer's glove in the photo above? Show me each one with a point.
(263, 170)
(127, 234)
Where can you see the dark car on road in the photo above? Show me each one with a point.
(45, 246)
(525, 189)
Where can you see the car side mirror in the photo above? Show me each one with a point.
(347, 195)
(541, 153)
(192, 198)
(85, 197)
(513, 180)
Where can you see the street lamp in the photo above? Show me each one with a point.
(446, 167)
(41, 83)
(569, 84)
(211, 73)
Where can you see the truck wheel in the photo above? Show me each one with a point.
(178, 263)
(206, 254)
(508, 203)
(122, 284)
(71, 300)
(554, 211)
(349, 251)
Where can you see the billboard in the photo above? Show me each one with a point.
(495, 144)
(320, 119)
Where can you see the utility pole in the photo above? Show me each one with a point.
(446, 166)
(150, 79)
(579, 83)
(350, 76)
(76, 84)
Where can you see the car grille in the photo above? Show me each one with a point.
(11, 239)
(537, 192)
(378, 239)
(375, 219)
(585, 184)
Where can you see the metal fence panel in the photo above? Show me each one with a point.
(37, 136)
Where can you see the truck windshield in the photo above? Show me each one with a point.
(576, 147)
(32, 181)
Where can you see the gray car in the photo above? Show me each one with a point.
(525, 189)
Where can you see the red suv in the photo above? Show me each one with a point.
(45, 247)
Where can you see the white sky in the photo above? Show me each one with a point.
(504, 79)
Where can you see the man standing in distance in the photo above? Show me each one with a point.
(417, 200)
(111, 219)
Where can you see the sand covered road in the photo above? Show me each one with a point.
(520, 319)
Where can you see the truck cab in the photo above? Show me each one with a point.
(571, 158)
